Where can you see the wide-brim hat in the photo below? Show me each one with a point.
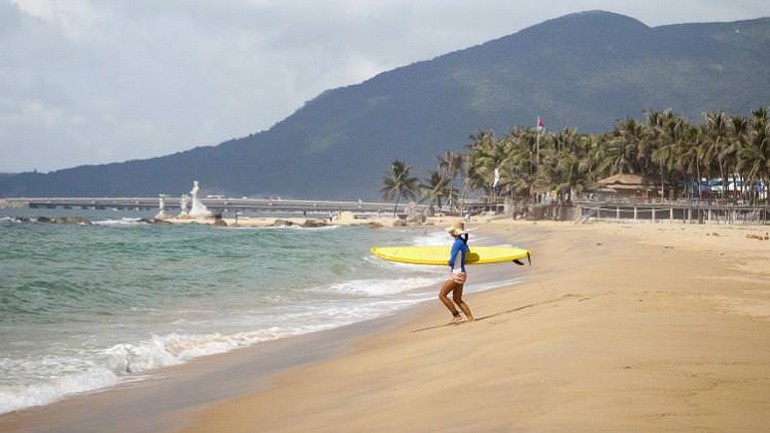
(457, 228)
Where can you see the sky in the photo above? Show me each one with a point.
(100, 81)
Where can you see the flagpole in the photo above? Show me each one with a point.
(538, 128)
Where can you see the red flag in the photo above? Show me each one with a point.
(540, 125)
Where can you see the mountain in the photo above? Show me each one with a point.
(584, 70)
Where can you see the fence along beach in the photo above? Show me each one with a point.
(690, 212)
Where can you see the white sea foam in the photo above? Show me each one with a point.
(383, 287)
(436, 238)
(58, 377)
(348, 314)
(119, 222)
(55, 386)
(441, 238)
(175, 348)
(404, 267)
(299, 227)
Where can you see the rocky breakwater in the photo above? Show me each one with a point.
(61, 220)
(306, 224)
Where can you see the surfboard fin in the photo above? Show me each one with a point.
(520, 263)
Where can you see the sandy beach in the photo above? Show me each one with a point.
(615, 327)
(634, 328)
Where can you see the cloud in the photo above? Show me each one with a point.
(87, 81)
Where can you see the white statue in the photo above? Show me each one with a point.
(198, 209)
(183, 205)
(194, 191)
(161, 207)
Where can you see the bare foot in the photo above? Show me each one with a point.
(456, 320)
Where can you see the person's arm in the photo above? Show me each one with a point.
(453, 255)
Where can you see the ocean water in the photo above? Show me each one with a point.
(85, 307)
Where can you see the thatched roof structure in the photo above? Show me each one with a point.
(627, 182)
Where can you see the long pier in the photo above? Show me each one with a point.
(213, 204)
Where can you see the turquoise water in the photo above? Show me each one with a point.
(83, 307)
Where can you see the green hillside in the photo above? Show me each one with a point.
(584, 70)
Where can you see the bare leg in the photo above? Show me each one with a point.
(449, 286)
(457, 297)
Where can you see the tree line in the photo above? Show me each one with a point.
(664, 148)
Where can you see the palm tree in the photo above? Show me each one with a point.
(488, 156)
(480, 153)
(755, 157)
(666, 156)
(571, 148)
(436, 187)
(547, 177)
(451, 165)
(592, 163)
(655, 141)
(520, 164)
(398, 182)
(716, 150)
(623, 147)
(665, 131)
(690, 154)
(734, 152)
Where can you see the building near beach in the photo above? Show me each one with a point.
(628, 186)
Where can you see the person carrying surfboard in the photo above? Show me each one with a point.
(457, 275)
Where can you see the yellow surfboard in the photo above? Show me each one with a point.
(440, 255)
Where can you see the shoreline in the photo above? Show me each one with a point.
(637, 328)
(158, 400)
(74, 413)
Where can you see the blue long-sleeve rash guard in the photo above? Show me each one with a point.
(459, 246)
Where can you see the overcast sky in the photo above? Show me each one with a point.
(97, 81)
